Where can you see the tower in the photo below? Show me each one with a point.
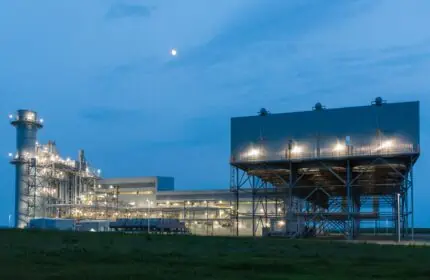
(27, 125)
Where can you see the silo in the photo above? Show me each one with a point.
(27, 125)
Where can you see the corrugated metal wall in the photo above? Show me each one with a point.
(323, 128)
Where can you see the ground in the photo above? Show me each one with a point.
(68, 255)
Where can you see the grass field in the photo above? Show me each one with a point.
(68, 255)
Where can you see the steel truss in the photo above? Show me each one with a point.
(345, 197)
(51, 189)
(263, 193)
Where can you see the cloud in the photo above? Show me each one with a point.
(123, 10)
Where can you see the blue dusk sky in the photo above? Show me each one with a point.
(101, 75)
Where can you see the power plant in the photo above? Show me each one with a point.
(340, 172)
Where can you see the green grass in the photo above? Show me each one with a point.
(68, 255)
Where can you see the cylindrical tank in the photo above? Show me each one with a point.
(27, 124)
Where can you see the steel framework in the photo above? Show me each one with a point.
(345, 195)
(52, 185)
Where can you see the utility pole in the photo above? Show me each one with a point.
(398, 217)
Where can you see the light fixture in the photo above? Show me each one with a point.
(254, 152)
(387, 144)
(30, 116)
(297, 150)
(281, 223)
(339, 147)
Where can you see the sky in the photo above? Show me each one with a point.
(101, 75)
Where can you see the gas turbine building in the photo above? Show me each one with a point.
(331, 171)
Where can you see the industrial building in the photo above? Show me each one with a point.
(324, 171)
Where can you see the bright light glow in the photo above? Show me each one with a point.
(220, 202)
(297, 150)
(10, 155)
(339, 147)
(387, 144)
(100, 186)
(110, 187)
(173, 52)
(99, 171)
(262, 210)
(188, 202)
(92, 230)
(167, 202)
(132, 203)
(279, 209)
(254, 152)
(205, 202)
(41, 120)
(281, 223)
(30, 116)
(10, 116)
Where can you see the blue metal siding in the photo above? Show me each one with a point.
(396, 120)
(165, 184)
